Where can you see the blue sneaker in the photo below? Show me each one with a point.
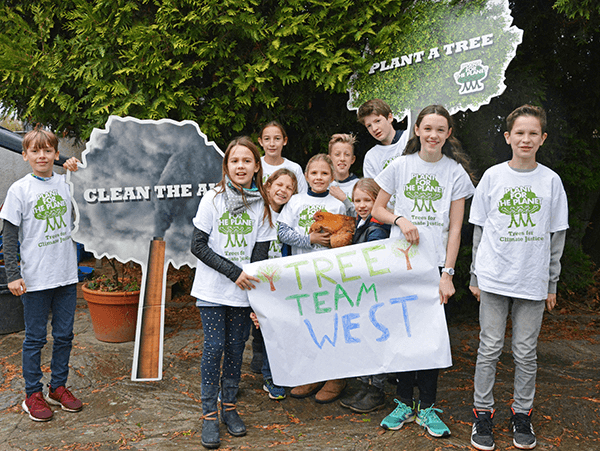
(401, 414)
(275, 392)
(429, 419)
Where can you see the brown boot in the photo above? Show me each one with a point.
(304, 391)
(331, 391)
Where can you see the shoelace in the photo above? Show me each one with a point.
(484, 425)
(38, 402)
(430, 412)
(521, 423)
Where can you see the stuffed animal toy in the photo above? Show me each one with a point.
(340, 227)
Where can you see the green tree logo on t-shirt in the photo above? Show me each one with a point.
(518, 202)
(305, 220)
(50, 207)
(424, 188)
(235, 227)
(387, 162)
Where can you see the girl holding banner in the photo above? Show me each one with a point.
(431, 183)
(232, 227)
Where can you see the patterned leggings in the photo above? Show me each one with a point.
(225, 332)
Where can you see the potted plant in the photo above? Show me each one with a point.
(113, 303)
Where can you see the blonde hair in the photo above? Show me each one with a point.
(344, 138)
(40, 139)
(320, 157)
(368, 186)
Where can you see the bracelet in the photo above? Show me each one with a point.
(397, 217)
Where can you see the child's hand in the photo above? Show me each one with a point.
(551, 301)
(17, 287)
(71, 164)
(337, 192)
(446, 288)
(244, 281)
(254, 319)
(409, 230)
(321, 238)
(476, 292)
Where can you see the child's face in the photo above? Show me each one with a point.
(319, 176)
(363, 203)
(342, 156)
(280, 192)
(41, 160)
(525, 139)
(380, 128)
(272, 141)
(433, 131)
(241, 166)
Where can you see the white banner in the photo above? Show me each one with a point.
(365, 309)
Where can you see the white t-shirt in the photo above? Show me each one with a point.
(42, 210)
(287, 164)
(298, 214)
(380, 156)
(424, 192)
(518, 211)
(347, 185)
(276, 245)
(232, 237)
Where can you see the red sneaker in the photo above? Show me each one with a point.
(64, 398)
(37, 408)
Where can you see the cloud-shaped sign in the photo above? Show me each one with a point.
(143, 179)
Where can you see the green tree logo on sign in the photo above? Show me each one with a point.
(404, 249)
(235, 227)
(520, 203)
(50, 207)
(441, 55)
(424, 188)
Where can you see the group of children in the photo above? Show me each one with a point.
(519, 198)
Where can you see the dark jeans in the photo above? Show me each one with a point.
(225, 332)
(426, 381)
(37, 305)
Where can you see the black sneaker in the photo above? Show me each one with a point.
(523, 435)
(482, 436)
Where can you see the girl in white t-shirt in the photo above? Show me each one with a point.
(294, 223)
(431, 184)
(273, 138)
(280, 187)
(232, 227)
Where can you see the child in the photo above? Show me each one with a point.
(280, 187)
(272, 138)
(341, 152)
(433, 162)
(520, 215)
(294, 224)
(370, 396)
(232, 227)
(36, 206)
(377, 116)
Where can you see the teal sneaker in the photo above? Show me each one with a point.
(401, 414)
(429, 419)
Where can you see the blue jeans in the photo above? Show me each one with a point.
(225, 332)
(61, 301)
(526, 324)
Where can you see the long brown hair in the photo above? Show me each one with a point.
(246, 142)
(452, 147)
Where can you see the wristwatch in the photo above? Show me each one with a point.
(449, 271)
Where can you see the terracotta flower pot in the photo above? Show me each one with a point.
(114, 314)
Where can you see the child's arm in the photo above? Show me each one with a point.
(457, 211)
(71, 164)
(473, 285)
(287, 235)
(10, 234)
(557, 245)
(382, 214)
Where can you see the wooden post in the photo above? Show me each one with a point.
(147, 364)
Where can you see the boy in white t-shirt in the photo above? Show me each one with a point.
(37, 212)
(520, 215)
(377, 116)
(341, 152)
